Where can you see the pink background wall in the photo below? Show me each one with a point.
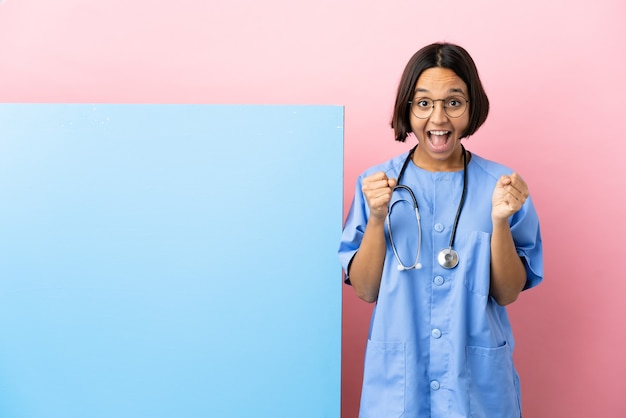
(555, 74)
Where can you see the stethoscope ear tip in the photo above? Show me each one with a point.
(416, 266)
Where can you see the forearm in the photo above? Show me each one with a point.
(366, 268)
(508, 275)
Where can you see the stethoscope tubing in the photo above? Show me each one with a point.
(448, 258)
(416, 263)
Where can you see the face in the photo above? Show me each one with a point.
(439, 134)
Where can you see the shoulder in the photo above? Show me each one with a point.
(488, 168)
(390, 167)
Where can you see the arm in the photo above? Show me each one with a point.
(508, 274)
(366, 268)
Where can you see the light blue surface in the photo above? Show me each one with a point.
(170, 260)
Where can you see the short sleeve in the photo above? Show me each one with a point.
(353, 229)
(527, 237)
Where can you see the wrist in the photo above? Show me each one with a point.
(376, 220)
(499, 221)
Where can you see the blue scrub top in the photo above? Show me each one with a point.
(439, 345)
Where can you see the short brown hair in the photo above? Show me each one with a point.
(443, 55)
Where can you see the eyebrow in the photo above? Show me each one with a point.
(452, 90)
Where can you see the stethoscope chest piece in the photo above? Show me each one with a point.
(448, 258)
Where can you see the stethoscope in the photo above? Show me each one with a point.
(447, 258)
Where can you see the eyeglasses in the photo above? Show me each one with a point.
(454, 106)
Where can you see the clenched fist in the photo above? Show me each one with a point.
(377, 189)
(508, 197)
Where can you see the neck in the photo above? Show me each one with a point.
(453, 163)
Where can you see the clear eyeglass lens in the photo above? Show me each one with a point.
(455, 106)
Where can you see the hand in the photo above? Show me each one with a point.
(508, 197)
(377, 189)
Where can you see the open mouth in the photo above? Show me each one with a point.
(439, 139)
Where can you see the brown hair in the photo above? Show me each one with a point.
(444, 55)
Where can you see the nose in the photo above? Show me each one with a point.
(439, 114)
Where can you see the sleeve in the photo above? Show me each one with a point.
(527, 237)
(353, 229)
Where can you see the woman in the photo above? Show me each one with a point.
(440, 341)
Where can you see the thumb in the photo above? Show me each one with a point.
(505, 180)
(392, 182)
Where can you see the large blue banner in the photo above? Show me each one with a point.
(170, 260)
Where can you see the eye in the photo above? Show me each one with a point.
(423, 103)
(454, 102)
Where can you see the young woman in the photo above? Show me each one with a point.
(442, 240)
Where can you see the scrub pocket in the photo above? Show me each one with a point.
(492, 383)
(384, 380)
